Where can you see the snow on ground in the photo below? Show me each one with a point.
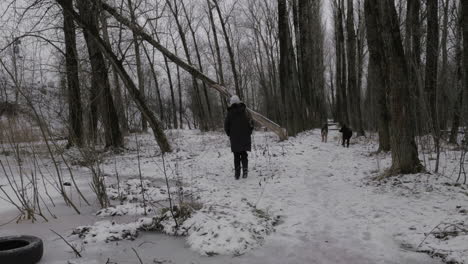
(304, 202)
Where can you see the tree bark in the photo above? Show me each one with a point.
(413, 53)
(377, 83)
(89, 12)
(464, 5)
(309, 70)
(457, 110)
(287, 71)
(75, 119)
(342, 99)
(393, 65)
(139, 68)
(432, 55)
(171, 88)
(354, 93)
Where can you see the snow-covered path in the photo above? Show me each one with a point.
(328, 215)
(327, 212)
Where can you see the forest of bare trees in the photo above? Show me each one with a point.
(262, 131)
(391, 68)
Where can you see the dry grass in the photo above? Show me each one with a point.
(17, 129)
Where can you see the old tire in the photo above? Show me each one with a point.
(20, 250)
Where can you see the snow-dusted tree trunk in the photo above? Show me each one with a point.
(382, 15)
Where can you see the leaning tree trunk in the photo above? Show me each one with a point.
(75, 119)
(100, 79)
(159, 135)
(382, 15)
(190, 69)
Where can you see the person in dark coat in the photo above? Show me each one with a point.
(347, 134)
(324, 132)
(239, 126)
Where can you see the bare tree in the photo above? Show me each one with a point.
(432, 52)
(75, 119)
(89, 12)
(382, 15)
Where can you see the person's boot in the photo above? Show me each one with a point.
(237, 173)
(245, 166)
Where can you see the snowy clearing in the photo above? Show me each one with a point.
(303, 202)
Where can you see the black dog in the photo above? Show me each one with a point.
(347, 134)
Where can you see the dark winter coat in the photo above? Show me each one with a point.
(347, 132)
(239, 126)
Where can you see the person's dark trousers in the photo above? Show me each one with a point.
(238, 158)
(346, 142)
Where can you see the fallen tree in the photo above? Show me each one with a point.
(281, 132)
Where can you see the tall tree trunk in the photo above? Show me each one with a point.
(377, 83)
(382, 15)
(432, 52)
(464, 5)
(354, 93)
(139, 67)
(156, 83)
(219, 69)
(75, 119)
(173, 6)
(200, 66)
(229, 49)
(307, 62)
(442, 86)
(457, 111)
(413, 53)
(288, 73)
(118, 99)
(341, 86)
(171, 88)
(89, 12)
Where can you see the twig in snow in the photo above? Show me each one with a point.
(138, 256)
(77, 253)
